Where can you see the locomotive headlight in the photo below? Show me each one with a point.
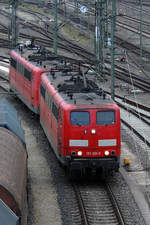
(113, 152)
(93, 131)
(79, 153)
(106, 153)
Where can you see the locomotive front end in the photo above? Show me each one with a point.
(92, 139)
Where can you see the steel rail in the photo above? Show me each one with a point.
(137, 114)
(136, 132)
(81, 204)
(115, 204)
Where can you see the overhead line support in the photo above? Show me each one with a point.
(13, 28)
(55, 26)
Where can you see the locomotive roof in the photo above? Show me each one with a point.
(39, 56)
(75, 87)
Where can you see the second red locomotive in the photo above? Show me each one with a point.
(81, 123)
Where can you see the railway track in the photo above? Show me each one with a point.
(63, 43)
(143, 120)
(135, 5)
(123, 74)
(4, 85)
(98, 205)
(4, 59)
(4, 79)
(72, 47)
(137, 117)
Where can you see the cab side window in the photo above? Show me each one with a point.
(42, 90)
(55, 110)
(27, 74)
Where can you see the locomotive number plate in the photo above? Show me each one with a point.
(93, 153)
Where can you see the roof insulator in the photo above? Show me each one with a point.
(70, 95)
(104, 95)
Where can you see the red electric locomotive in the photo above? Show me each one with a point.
(81, 123)
(26, 68)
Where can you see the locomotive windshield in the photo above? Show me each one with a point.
(83, 118)
(105, 117)
(80, 118)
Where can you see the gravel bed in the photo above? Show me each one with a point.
(137, 147)
(126, 202)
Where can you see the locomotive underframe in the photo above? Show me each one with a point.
(105, 163)
(104, 166)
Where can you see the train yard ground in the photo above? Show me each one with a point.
(46, 179)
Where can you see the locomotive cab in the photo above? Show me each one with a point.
(92, 138)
